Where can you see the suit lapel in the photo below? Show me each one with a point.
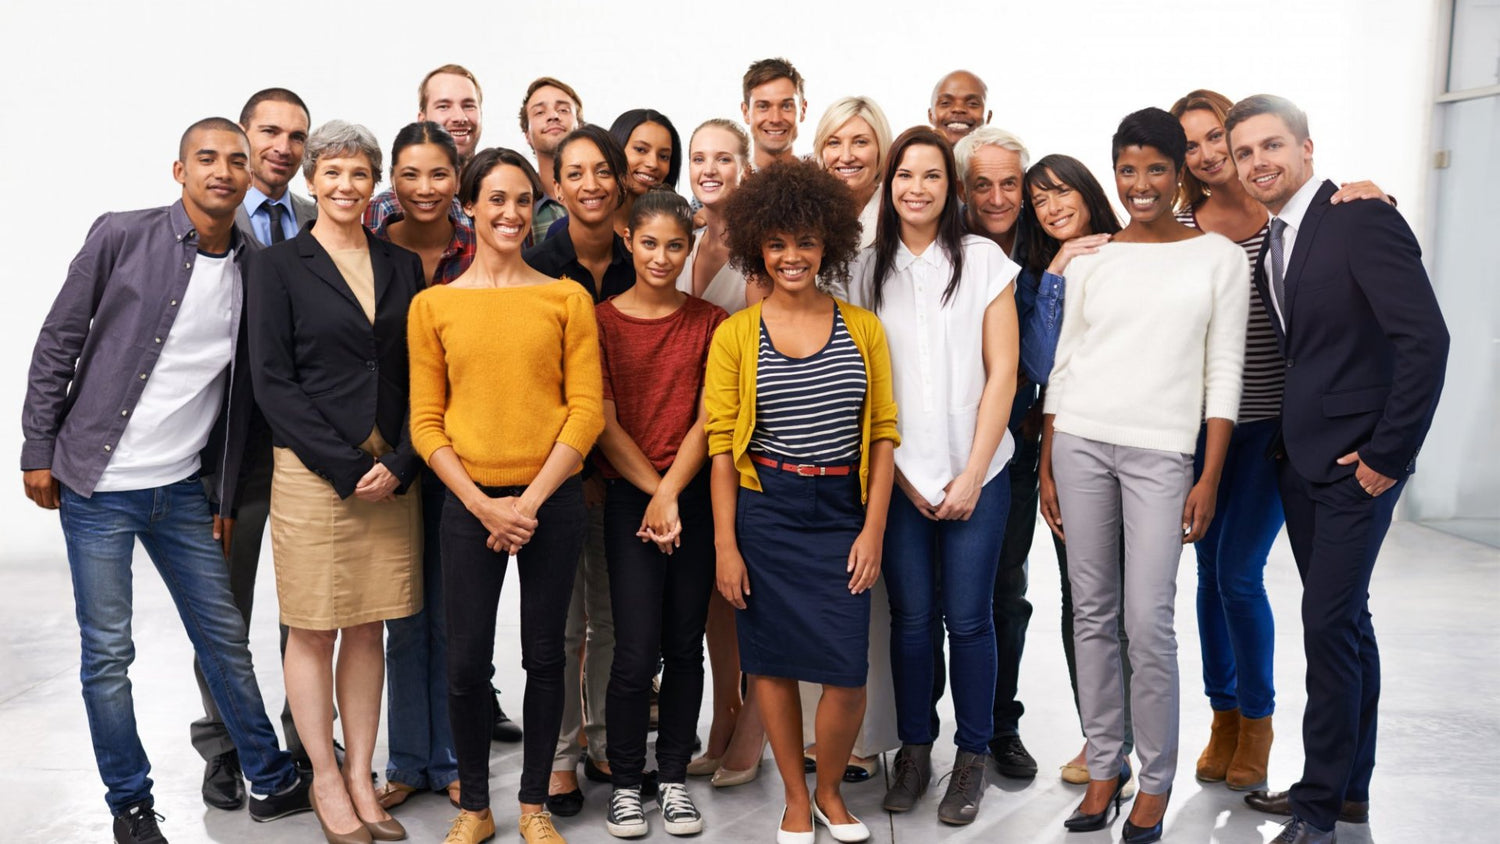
(380, 265)
(304, 211)
(317, 259)
(1303, 246)
(242, 222)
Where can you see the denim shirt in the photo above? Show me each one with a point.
(101, 340)
(1039, 308)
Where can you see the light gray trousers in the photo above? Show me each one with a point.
(1099, 485)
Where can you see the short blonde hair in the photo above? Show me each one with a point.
(843, 110)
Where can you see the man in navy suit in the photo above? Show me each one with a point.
(1365, 348)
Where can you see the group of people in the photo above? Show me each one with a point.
(809, 415)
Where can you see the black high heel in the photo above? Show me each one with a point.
(1146, 834)
(1080, 822)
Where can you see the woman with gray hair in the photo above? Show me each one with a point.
(327, 332)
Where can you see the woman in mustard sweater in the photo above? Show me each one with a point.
(506, 398)
(801, 429)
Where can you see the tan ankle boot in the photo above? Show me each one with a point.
(1247, 770)
(1213, 764)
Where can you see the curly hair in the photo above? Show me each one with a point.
(793, 197)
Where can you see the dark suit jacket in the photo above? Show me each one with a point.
(303, 210)
(323, 375)
(1365, 344)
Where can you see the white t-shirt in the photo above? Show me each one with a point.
(937, 354)
(726, 289)
(172, 420)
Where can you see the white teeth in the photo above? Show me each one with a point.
(959, 126)
(509, 231)
(1143, 201)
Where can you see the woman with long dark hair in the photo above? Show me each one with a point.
(653, 156)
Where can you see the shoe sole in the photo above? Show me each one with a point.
(956, 821)
(1017, 773)
(226, 805)
(635, 830)
(683, 827)
(898, 809)
(1202, 778)
(1254, 786)
(288, 813)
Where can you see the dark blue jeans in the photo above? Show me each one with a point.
(1235, 626)
(968, 552)
(175, 527)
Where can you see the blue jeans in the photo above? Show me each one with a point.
(1235, 626)
(176, 529)
(419, 734)
(968, 552)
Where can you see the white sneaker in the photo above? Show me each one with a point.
(678, 813)
(626, 819)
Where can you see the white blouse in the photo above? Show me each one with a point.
(726, 289)
(937, 354)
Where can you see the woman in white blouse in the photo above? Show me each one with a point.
(947, 302)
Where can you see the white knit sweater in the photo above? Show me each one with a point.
(1152, 342)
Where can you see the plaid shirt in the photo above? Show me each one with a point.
(455, 259)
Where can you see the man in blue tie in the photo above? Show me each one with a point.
(276, 121)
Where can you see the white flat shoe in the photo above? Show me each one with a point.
(785, 837)
(848, 833)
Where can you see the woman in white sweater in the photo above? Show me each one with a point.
(1152, 343)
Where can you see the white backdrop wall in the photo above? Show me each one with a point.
(94, 94)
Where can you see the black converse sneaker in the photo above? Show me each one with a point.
(626, 818)
(677, 810)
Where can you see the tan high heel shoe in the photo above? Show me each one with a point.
(725, 778)
(358, 836)
(704, 766)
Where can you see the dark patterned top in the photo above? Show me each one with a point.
(809, 410)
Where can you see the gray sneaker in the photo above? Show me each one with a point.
(910, 772)
(965, 789)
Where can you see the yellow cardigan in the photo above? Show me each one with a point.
(729, 389)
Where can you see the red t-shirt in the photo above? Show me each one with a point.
(653, 372)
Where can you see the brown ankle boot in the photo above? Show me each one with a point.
(1247, 770)
(1213, 764)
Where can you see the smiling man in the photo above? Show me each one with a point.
(958, 105)
(449, 96)
(774, 103)
(137, 388)
(276, 121)
(549, 111)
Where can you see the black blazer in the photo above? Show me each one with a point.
(1365, 344)
(323, 375)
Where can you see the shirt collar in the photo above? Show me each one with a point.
(934, 256)
(183, 228)
(1296, 207)
(254, 198)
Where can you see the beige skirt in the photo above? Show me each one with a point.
(342, 562)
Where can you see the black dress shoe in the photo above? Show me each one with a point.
(137, 825)
(1277, 803)
(1011, 758)
(1133, 834)
(1298, 831)
(505, 729)
(223, 784)
(566, 804)
(294, 800)
(1081, 822)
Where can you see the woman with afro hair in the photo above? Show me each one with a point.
(801, 432)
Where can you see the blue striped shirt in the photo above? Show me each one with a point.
(808, 410)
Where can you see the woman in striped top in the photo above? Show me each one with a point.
(801, 431)
(1235, 627)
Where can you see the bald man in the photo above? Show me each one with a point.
(958, 105)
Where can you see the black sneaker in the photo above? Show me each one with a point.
(505, 729)
(296, 798)
(223, 784)
(626, 818)
(137, 825)
(678, 813)
(1011, 758)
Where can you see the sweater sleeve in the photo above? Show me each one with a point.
(721, 387)
(882, 392)
(1224, 346)
(583, 383)
(429, 378)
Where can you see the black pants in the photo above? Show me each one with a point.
(472, 577)
(660, 606)
(1012, 612)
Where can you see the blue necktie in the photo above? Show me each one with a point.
(1278, 269)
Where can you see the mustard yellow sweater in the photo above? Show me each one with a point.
(501, 374)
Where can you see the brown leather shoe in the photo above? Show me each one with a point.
(1247, 770)
(1223, 737)
(1277, 803)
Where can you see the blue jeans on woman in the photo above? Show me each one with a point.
(175, 527)
(968, 553)
(1235, 626)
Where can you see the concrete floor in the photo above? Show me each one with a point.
(1434, 600)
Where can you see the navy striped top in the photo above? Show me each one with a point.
(1265, 369)
(808, 410)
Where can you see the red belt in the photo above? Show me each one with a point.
(805, 470)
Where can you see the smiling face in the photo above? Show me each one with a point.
(550, 115)
(1207, 148)
(773, 112)
(342, 185)
(278, 135)
(1146, 180)
(648, 157)
(659, 248)
(452, 102)
(958, 105)
(425, 182)
(1061, 210)
(502, 210)
(214, 172)
(715, 165)
(919, 187)
(992, 187)
(1271, 162)
(852, 153)
(792, 259)
(588, 189)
